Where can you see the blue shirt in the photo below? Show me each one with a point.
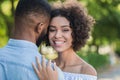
(16, 58)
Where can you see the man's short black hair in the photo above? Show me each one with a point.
(28, 6)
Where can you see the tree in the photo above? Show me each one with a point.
(107, 15)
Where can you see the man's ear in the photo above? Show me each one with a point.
(39, 28)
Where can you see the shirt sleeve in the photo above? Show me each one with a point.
(60, 74)
(2, 73)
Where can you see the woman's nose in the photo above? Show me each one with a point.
(58, 34)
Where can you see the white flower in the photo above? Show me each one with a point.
(48, 52)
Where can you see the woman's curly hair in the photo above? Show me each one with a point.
(80, 22)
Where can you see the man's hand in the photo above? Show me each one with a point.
(45, 71)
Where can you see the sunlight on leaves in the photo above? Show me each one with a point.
(118, 7)
(3, 31)
(2, 27)
(6, 7)
(15, 4)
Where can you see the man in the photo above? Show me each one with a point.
(16, 58)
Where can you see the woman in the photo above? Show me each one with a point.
(68, 31)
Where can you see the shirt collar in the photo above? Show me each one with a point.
(22, 43)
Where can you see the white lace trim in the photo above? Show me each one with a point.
(74, 76)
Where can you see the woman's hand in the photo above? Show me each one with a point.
(45, 71)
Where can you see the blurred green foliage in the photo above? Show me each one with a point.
(95, 59)
(98, 60)
(117, 50)
(6, 20)
(3, 31)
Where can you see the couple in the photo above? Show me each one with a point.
(68, 31)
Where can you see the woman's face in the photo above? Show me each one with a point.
(60, 37)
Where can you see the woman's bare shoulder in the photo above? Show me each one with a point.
(88, 69)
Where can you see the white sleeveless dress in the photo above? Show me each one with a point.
(74, 76)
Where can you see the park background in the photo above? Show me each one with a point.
(103, 47)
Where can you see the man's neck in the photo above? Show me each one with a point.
(24, 36)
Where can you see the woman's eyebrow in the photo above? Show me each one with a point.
(65, 26)
(51, 26)
(60, 26)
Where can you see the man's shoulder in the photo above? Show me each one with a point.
(13, 72)
(2, 53)
(4, 49)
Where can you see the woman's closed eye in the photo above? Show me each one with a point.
(65, 30)
(52, 30)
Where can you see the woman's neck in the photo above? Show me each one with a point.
(66, 58)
